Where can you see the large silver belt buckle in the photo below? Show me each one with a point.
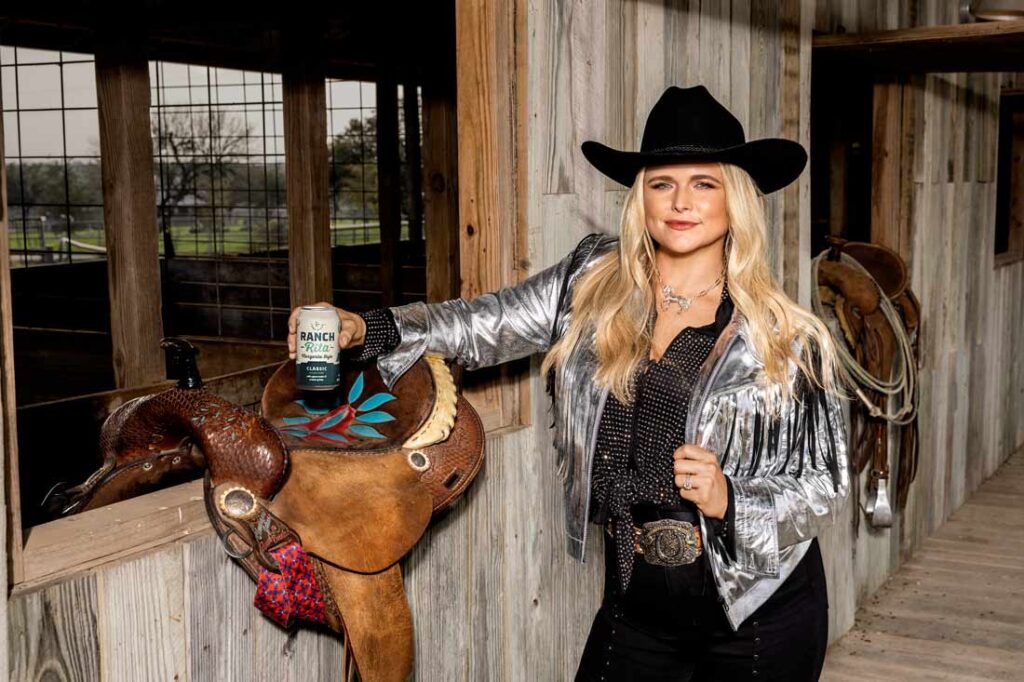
(669, 542)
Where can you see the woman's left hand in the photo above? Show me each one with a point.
(708, 488)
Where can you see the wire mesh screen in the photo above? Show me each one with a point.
(218, 144)
(352, 151)
(51, 149)
(219, 167)
(353, 155)
(218, 140)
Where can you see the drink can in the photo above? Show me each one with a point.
(317, 367)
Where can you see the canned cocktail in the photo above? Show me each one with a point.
(317, 367)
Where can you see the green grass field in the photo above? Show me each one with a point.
(234, 238)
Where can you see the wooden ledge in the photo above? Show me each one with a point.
(982, 46)
(84, 541)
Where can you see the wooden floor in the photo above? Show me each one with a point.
(955, 611)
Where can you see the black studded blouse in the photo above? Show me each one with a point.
(381, 333)
(633, 463)
(633, 454)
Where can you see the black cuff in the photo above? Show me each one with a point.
(381, 333)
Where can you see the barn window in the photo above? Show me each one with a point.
(366, 223)
(245, 212)
(1009, 241)
(222, 220)
(218, 140)
(52, 150)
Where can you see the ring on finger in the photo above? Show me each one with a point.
(687, 482)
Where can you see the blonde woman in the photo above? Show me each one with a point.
(697, 418)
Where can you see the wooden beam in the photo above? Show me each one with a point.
(129, 214)
(389, 191)
(413, 160)
(10, 501)
(892, 142)
(441, 192)
(349, 35)
(794, 245)
(950, 35)
(490, 67)
(886, 122)
(306, 177)
(84, 541)
(912, 93)
(983, 46)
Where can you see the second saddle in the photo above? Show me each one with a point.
(853, 278)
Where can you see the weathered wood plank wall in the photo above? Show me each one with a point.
(494, 595)
(971, 384)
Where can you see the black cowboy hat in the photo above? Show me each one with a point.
(689, 125)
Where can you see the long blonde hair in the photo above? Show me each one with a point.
(615, 294)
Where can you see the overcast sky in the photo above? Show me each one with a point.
(46, 80)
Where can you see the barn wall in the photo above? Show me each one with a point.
(494, 594)
(971, 379)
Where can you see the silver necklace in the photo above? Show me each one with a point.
(684, 302)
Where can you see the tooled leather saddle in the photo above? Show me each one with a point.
(852, 279)
(320, 497)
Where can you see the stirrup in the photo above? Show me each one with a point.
(878, 510)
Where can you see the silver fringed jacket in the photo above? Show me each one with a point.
(788, 470)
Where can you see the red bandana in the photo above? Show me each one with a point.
(292, 593)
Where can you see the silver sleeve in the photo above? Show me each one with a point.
(510, 323)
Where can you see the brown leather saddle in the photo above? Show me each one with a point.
(852, 297)
(320, 497)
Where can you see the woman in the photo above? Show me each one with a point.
(698, 418)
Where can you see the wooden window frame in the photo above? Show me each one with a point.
(475, 210)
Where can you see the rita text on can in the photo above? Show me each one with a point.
(317, 365)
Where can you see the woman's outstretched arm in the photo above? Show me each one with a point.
(493, 328)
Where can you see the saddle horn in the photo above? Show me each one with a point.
(151, 436)
(181, 361)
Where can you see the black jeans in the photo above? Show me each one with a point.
(664, 628)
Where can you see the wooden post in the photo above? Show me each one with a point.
(491, 68)
(306, 171)
(389, 198)
(413, 161)
(129, 214)
(795, 111)
(441, 198)
(891, 185)
(10, 501)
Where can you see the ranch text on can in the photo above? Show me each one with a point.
(316, 349)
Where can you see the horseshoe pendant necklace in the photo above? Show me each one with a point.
(684, 302)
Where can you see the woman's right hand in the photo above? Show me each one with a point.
(352, 333)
